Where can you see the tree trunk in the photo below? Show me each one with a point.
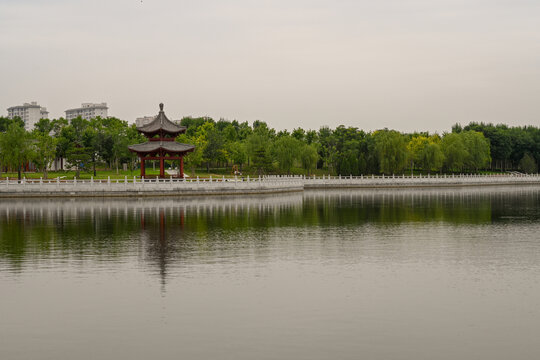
(116, 166)
(45, 173)
(19, 172)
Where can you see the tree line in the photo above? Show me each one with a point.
(259, 149)
(83, 144)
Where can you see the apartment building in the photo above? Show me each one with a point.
(30, 113)
(141, 121)
(88, 111)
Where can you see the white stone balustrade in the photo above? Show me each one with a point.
(266, 184)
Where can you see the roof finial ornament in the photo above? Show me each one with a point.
(161, 107)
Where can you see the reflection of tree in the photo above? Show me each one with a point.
(174, 232)
(12, 242)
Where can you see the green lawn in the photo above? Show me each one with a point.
(202, 173)
(104, 174)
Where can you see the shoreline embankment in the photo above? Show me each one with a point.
(56, 188)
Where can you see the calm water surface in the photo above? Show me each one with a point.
(394, 274)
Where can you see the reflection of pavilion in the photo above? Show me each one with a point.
(160, 249)
(161, 144)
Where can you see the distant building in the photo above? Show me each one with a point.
(141, 121)
(88, 111)
(30, 113)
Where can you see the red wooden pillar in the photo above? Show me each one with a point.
(143, 172)
(181, 173)
(161, 167)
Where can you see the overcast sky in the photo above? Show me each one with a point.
(407, 65)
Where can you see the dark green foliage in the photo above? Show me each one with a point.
(509, 144)
(5, 122)
(15, 147)
(528, 164)
(261, 149)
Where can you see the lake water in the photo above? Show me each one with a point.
(361, 274)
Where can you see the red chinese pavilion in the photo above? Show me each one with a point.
(161, 144)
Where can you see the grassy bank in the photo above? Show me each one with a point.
(150, 173)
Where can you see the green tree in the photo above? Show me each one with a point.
(15, 147)
(44, 126)
(73, 143)
(79, 157)
(454, 150)
(44, 150)
(237, 153)
(258, 145)
(214, 150)
(327, 148)
(426, 152)
(309, 157)
(478, 151)
(391, 149)
(6, 122)
(286, 150)
(528, 165)
(195, 158)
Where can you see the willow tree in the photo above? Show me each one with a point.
(16, 147)
(44, 150)
(391, 149)
(309, 157)
(478, 150)
(426, 152)
(454, 150)
(286, 151)
(527, 164)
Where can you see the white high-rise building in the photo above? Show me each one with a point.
(30, 113)
(141, 121)
(88, 111)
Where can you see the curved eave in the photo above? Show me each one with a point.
(161, 124)
(154, 146)
(156, 132)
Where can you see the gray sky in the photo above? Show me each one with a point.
(407, 65)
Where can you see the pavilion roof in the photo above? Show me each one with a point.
(161, 123)
(168, 146)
